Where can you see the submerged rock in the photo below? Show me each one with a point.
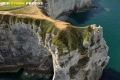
(107, 9)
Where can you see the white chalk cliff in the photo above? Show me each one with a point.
(86, 65)
(56, 7)
(78, 53)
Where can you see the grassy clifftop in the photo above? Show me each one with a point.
(70, 38)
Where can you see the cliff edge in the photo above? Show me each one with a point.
(56, 8)
(35, 42)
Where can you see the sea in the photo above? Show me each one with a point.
(107, 15)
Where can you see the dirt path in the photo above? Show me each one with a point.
(37, 14)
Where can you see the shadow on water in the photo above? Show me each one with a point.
(110, 74)
(11, 76)
(80, 18)
(19, 76)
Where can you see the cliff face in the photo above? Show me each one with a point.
(54, 8)
(82, 64)
(20, 46)
(77, 52)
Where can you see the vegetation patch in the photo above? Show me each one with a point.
(70, 38)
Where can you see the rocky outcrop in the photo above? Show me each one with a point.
(77, 52)
(55, 8)
(82, 64)
(20, 47)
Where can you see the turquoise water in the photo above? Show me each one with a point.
(108, 16)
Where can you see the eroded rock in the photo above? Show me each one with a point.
(77, 52)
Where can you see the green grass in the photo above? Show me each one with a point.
(85, 33)
(70, 38)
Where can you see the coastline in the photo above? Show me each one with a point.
(63, 18)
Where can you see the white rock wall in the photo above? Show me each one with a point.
(71, 66)
(56, 7)
(92, 69)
